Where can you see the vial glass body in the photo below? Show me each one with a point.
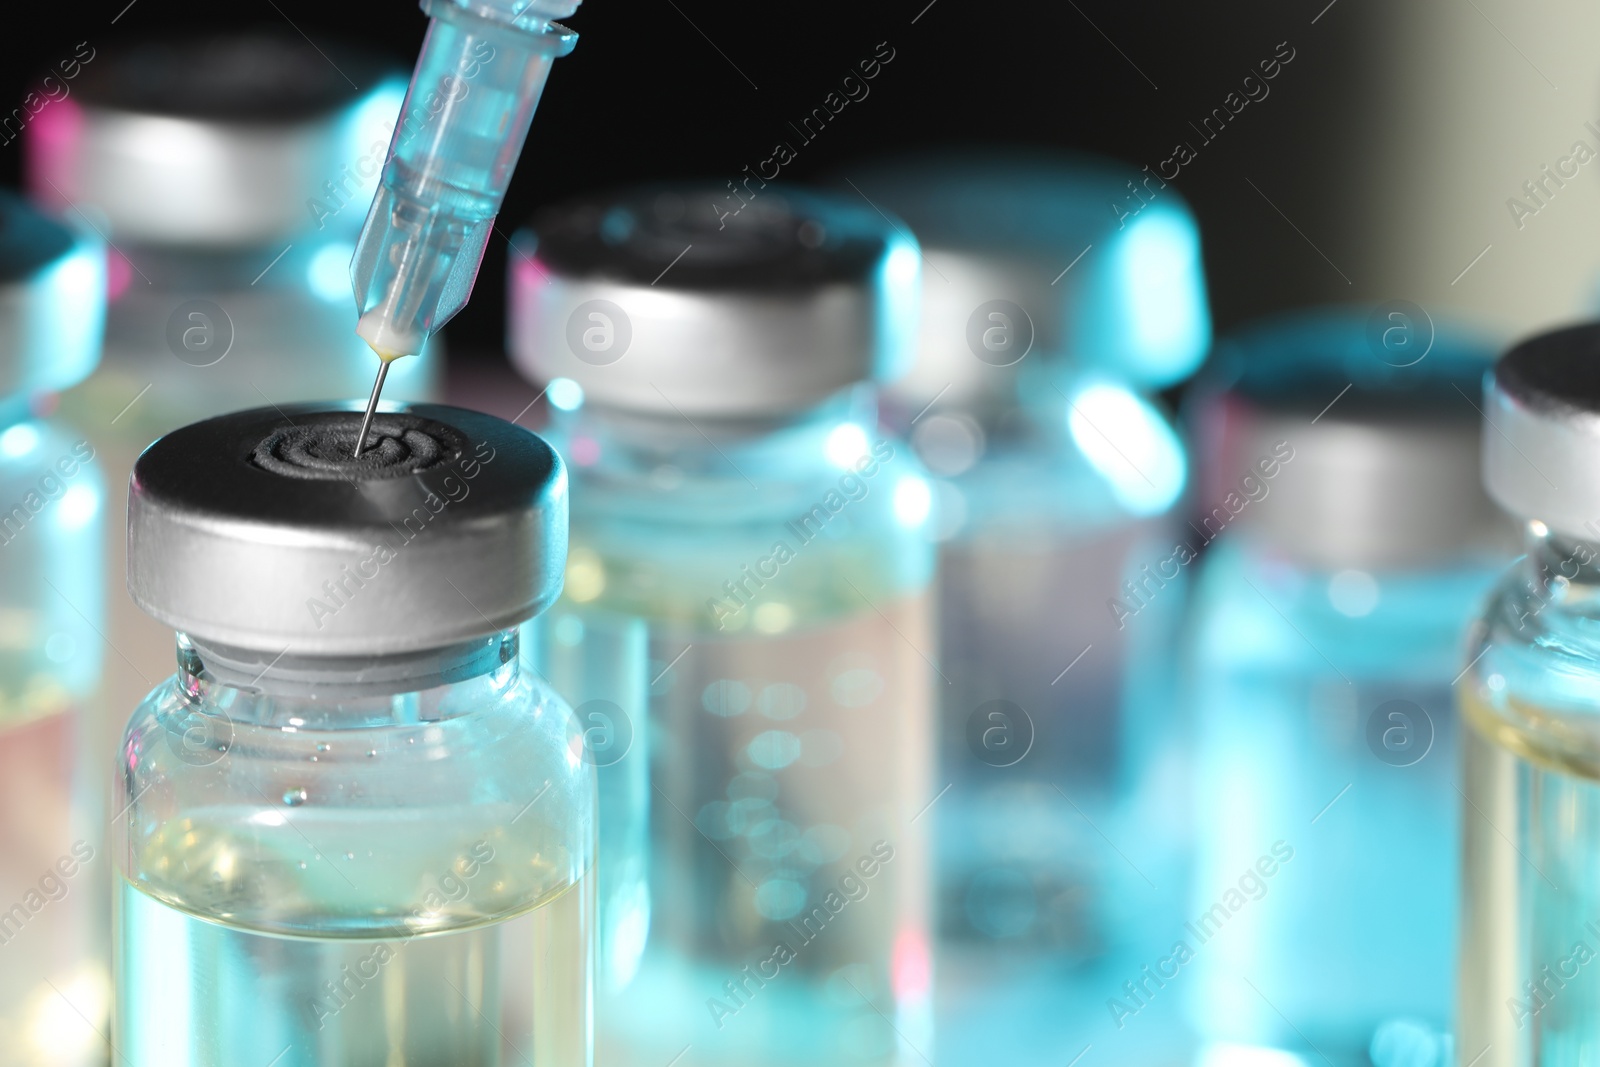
(1325, 749)
(780, 576)
(189, 337)
(354, 872)
(53, 868)
(1531, 809)
(601, 662)
(1057, 602)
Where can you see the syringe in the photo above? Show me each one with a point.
(477, 81)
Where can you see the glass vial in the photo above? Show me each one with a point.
(1044, 320)
(230, 174)
(55, 989)
(233, 173)
(351, 830)
(749, 547)
(1344, 537)
(1530, 797)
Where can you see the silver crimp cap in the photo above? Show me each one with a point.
(1541, 451)
(257, 531)
(715, 302)
(218, 141)
(1035, 258)
(1372, 465)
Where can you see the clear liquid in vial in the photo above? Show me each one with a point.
(423, 960)
(1530, 952)
(787, 766)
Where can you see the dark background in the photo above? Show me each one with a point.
(700, 88)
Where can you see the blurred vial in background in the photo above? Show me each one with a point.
(1045, 320)
(231, 175)
(746, 607)
(356, 831)
(53, 914)
(1530, 803)
(1348, 539)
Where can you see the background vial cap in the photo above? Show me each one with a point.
(52, 301)
(690, 300)
(218, 141)
(256, 530)
(1044, 257)
(1541, 454)
(1383, 432)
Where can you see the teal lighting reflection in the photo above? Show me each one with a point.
(1131, 446)
(328, 273)
(564, 394)
(1163, 287)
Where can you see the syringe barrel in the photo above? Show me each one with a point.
(472, 96)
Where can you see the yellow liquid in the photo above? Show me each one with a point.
(441, 945)
(1530, 948)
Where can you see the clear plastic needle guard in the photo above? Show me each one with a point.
(477, 82)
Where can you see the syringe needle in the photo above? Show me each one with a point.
(372, 406)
